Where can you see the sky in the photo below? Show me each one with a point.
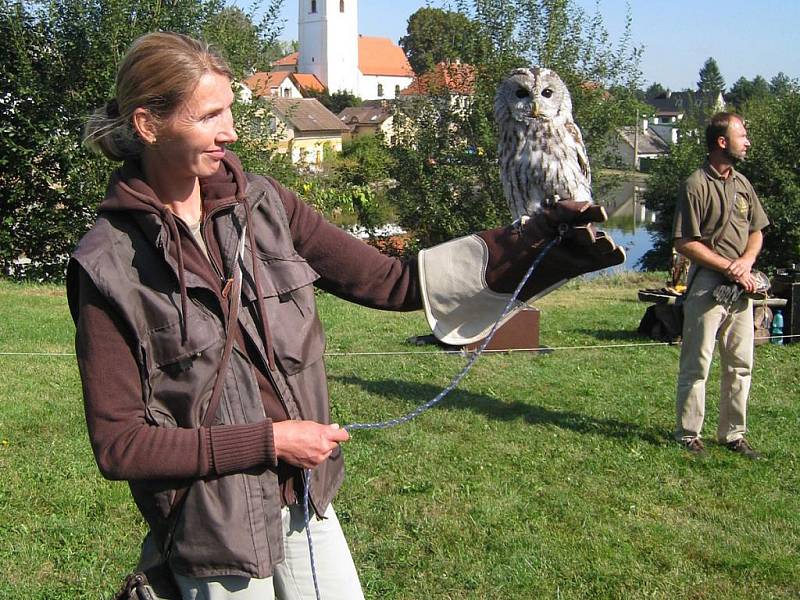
(746, 38)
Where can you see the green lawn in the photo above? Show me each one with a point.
(542, 476)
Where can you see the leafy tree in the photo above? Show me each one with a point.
(711, 80)
(771, 166)
(337, 101)
(447, 150)
(666, 177)
(782, 84)
(247, 46)
(655, 90)
(436, 35)
(743, 90)
(58, 62)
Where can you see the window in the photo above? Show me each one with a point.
(341, 5)
(313, 6)
(287, 92)
(396, 91)
(380, 90)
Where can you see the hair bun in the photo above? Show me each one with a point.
(112, 108)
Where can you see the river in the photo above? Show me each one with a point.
(627, 218)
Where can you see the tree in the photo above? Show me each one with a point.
(58, 61)
(781, 84)
(771, 166)
(711, 81)
(655, 90)
(666, 177)
(337, 101)
(743, 91)
(447, 148)
(247, 46)
(436, 35)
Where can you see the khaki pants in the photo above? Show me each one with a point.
(706, 321)
(292, 579)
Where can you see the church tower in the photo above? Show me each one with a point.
(328, 40)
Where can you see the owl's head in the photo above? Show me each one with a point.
(534, 93)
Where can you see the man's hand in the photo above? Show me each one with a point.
(739, 269)
(306, 444)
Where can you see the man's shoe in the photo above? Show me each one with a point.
(694, 445)
(742, 447)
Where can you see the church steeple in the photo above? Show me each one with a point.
(328, 40)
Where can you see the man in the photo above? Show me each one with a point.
(718, 223)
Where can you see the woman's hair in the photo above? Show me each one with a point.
(159, 72)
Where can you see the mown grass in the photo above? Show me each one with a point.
(542, 476)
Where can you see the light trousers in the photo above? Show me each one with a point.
(292, 579)
(706, 322)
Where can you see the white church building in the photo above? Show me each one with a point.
(331, 49)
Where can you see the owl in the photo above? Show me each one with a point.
(540, 148)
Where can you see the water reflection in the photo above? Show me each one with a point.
(627, 218)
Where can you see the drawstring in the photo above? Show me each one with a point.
(173, 230)
(262, 312)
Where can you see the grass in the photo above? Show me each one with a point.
(541, 476)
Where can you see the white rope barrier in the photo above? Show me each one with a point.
(541, 350)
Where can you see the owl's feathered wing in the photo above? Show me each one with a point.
(580, 152)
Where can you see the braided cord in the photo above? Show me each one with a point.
(388, 424)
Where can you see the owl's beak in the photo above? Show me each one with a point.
(535, 109)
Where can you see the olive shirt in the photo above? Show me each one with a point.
(705, 202)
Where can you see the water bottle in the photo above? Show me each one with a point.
(777, 328)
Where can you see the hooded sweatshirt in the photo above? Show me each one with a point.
(125, 445)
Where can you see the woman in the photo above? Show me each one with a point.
(198, 342)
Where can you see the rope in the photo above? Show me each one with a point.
(427, 405)
(450, 352)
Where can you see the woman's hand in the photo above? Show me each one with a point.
(306, 444)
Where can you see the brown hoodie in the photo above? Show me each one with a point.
(125, 446)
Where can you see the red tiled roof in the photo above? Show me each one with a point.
(376, 56)
(289, 59)
(457, 78)
(262, 83)
(381, 56)
(308, 81)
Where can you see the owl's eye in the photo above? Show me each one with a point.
(522, 93)
(547, 92)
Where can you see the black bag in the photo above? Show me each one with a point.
(136, 587)
(663, 322)
(154, 583)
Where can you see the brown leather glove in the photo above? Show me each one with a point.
(581, 249)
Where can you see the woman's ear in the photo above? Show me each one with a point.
(145, 125)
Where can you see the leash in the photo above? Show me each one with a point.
(389, 423)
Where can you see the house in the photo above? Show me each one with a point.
(670, 107)
(373, 117)
(284, 84)
(636, 146)
(332, 51)
(453, 78)
(305, 129)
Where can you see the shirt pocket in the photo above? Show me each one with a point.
(287, 285)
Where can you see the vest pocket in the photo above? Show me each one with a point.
(180, 374)
(288, 290)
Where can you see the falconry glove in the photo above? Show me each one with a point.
(467, 282)
(728, 293)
